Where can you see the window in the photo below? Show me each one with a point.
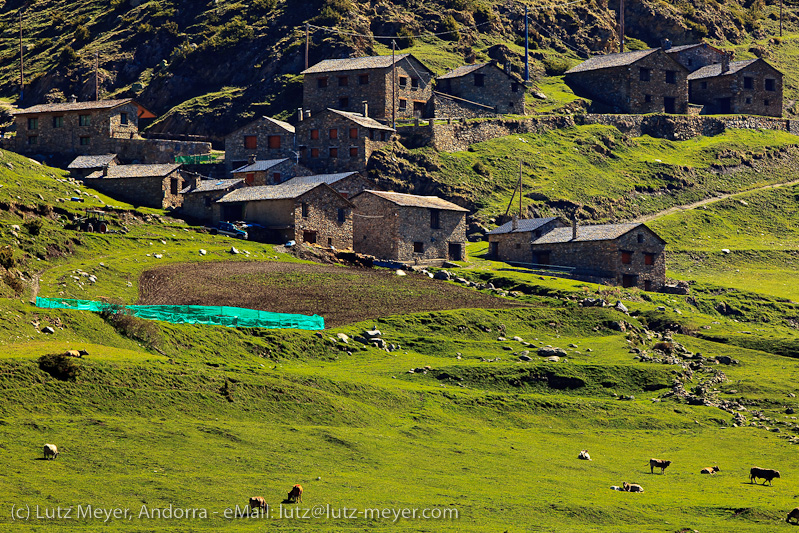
(647, 284)
(275, 177)
(649, 259)
(514, 87)
(123, 119)
(353, 152)
(334, 133)
(703, 85)
(314, 134)
(690, 62)
(435, 219)
(249, 178)
(518, 246)
(33, 123)
(403, 104)
(208, 201)
(353, 133)
(382, 135)
(33, 139)
(274, 142)
(84, 141)
(343, 81)
(771, 85)
(403, 82)
(363, 79)
(314, 152)
(84, 120)
(174, 186)
(626, 258)
(418, 247)
(309, 236)
(334, 153)
(321, 83)
(330, 241)
(749, 83)
(344, 103)
(671, 76)
(58, 122)
(766, 103)
(643, 74)
(304, 209)
(748, 99)
(479, 80)
(342, 215)
(647, 98)
(640, 238)
(414, 83)
(250, 142)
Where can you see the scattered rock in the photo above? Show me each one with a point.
(343, 338)
(621, 307)
(442, 275)
(48, 330)
(549, 351)
(372, 333)
(553, 358)
(234, 251)
(525, 357)
(400, 272)
(203, 252)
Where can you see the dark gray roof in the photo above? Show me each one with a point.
(320, 178)
(353, 63)
(462, 71)
(287, 190)
(711, 71)
(611, 60)
(211, 185)
(92, 161)
(77, 106)
(361, 120)
(137, 171)
(412, 200)
(525, 225)
(260, 166)
(603, 232)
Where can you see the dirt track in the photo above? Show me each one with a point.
(340, 295)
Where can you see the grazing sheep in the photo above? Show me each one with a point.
(631, 487)
(584, 455)
(766, 474)
(657, 463)
(257, 502)
(295, 495)
(709, 470)
(50, 450)
(793, 514)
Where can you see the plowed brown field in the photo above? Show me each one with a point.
(341, 295)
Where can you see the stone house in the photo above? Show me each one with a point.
(266, 139)
(511, 241)
(643, 81)
(740, 87)
(347, 184)
(83, 165)
(268, 172)
(630, 255)
(485, 84)
(406, 227)
(308, 212)
(156, 185)
(200, 196)
(695, 56)
(402, 86)
(337, 141)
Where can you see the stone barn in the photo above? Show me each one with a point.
(750, 87)
(200, 197)
(695, 56)
(511, 242)
(643, 81)
(266, 139)
(156, 186)
(83, 165)
(408, 228)
(268, 172)
(484, 84)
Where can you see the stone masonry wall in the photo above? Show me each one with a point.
(498, 90)
(755, 100)
(148, 191)
(445, 106)
(512, 247)
(697, 57)
(414, 226)
(374, 229)
(151, 151)
(323, 218)
(237, 154)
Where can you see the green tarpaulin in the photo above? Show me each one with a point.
(236, 317)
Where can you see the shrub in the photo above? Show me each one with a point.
(405, 37)
(635, 44)
(449, 24)
(81, 33)
(34, 226)
(332, 13)
(60, 366)
(481, 169)
(7, 257)
(14, 282)
(68, 56)
(556, 66)
(131, 326)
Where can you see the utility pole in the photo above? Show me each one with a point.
(97, 76)
(307, 39)
(520, 189)
(621, 24)
(780, 18)
(393, 85)
(526, 47)
(21, 61)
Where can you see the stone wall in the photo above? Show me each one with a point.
(697, 57)
(730, 93)
(515, 246)
(322, 219)
(155, 191)
(446, 106)
(201, 205)
(237, 154)
(151, 151)
(498, 90)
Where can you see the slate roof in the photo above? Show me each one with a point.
(525, 225)
(330, 179)
(136, 171)
(353, 63)
(260, 166)
(285, 125)
(366, 122)
(412, 200)
(288, 190)
(684, 47)
(611, 60)
(462, 71)
(711, 71)
(79, 106)
(211, 185)
(603, 232)
(92, 161)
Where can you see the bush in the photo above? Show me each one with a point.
(449, 24)
(68, 56)
(14, 282)
(481, 169)
(405, 37)
(7, 257)
(34, 226)
(60, 366)
(556, 66)
(81, 34)
(131, 326)
(635, 44)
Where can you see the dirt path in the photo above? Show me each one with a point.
(688, 207)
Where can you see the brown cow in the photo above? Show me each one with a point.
(793, 514)
(295, 495)
(710, 470)
(631, 487)
(766, 474)
(257, 502)
(657, 463)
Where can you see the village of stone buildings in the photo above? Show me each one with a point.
(306, 181)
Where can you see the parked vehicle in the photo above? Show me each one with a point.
(230, 229)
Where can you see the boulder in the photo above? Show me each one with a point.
(553, 358)
(343, 338)
(372, 333)
(549, 351)
(621, 307)
(442, 275)
(48, 330)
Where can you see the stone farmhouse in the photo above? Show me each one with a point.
(741, 87)
(643, 81)
(345, 84)
(408, 228)
(630, 255)
(338, 141)
(695, 56)
(478, 90)
(83, 165)
(200, 197)
(304, 211)
(95, 128)
(266, 138)
(157, 185)
(268, 172)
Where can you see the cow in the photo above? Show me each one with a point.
(657, 463)
(710, 470)
(295, 494)
(257, 502)
(50, 450)
(766, 474)
(72, 353)
(584, 455)
(631, 487)
(793, 514)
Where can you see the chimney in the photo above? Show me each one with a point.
(105, 171)
(72, 98)
(251, 159)
(195, 181)
(574, 229)
(299, 114)
(514, 223)
(725, 63)
(307, 114)
(666, 44)
(365, 108)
